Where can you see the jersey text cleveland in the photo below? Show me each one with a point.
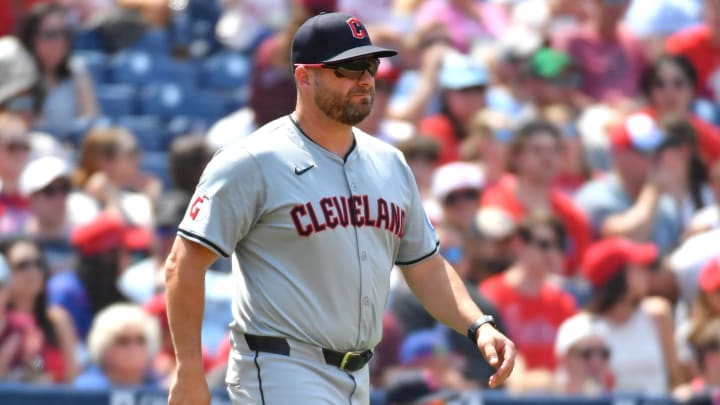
(331, 212)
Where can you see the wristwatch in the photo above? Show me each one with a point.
(473, 329)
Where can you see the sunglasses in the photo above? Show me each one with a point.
(676, 83)
(20, 104)
(54, 34)
(464, 195)
(28, 264)
(53, 190)
(17, 146)
(353, 69)
(712, 346)
(545, 245)
(127, 340)
(587, 353)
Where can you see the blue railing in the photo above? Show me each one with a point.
(42, 395)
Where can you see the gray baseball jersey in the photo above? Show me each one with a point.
(314, 235)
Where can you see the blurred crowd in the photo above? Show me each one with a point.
(568, 153)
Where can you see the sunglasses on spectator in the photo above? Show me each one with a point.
(54, 34)
(545, 245)
(17, 146)
(463, 195)
(28, 264)
(20, 104)
(712, 346)
(353, 69)
(62, 188)
(127, 340)
(587, 353)
(676, 83)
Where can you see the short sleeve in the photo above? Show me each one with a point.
(419, 240)
(226, 203)
(598, 202)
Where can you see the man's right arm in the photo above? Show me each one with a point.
(185, 270)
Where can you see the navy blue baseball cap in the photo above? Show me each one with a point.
(333, 38)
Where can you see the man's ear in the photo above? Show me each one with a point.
(302, 76)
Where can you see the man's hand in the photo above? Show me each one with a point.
(189, 387)
(499, 351)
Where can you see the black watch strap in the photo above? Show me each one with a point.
(473, 329)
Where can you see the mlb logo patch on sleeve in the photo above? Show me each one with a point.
(199, 207)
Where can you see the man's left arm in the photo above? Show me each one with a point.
(444, 295)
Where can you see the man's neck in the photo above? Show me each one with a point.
(532, 193)
(328, 133)
(123, 378)
(47, 229)
(523, 282)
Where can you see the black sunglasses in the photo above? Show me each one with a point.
(587, 353)
(676, 83)
(712, 346)
(352, 69)
(17, 146)
(54, 34)
(62, 188)
(545, 245)
(463, 195)
(29, 264)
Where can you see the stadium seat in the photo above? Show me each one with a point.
(158, 164)
(117, 99)
(167, 100)
(149, 130)
(155, 41)
(225, 71)
(210, 105)
(95, 62)
(142, 68)
(88, 40)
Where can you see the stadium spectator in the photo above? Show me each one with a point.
(20, 339)
(457, 187)
(535, 160)
(531, 306)
(55, 209)
(705, 343)
(422, 154)
(701, 45)
(638, 329)
(488, 249)
(188, 156)
(609, 57)
(20, 76)
(463, 83)
(105, 246)
(486, 145)
(109, 171)
(65, 91)
(551, 77)
(465, 21)
(632, 201)
(707, 218)
(122, 342)
(584, 358)
(668, 86)
(28, 295)
(14, 152)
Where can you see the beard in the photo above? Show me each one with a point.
(342, 108)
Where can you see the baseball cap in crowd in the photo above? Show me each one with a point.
(572, 331)
(108, 231)
(5, 273)
(333, 38)
(549, 63)
(423, 344)
(17, 69)
(456, 176)
(710, 276)
(459, 71)
(493, 223)
(40, 172)
(639, 131)
(607, 257)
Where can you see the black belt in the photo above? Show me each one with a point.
(348, 361)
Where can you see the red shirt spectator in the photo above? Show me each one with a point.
(504, 194)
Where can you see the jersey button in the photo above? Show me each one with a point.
(365, 300)
(363, 256)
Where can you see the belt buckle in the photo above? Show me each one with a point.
(363, 356)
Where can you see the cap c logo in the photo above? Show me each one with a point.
(357, 28)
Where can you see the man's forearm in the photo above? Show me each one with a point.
(443, 293)
(185, 293)
(637, 222)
